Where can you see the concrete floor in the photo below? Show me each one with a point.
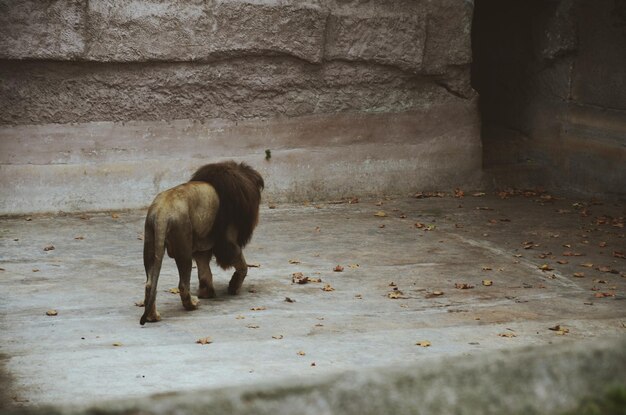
(95, 349)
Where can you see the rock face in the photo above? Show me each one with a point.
(141, 59)
(157, 61)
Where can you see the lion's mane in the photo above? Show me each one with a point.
(238, 187)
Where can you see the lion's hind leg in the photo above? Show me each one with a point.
(205, 276)
(184, 265)
(241, 270)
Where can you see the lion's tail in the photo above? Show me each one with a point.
(153, 252)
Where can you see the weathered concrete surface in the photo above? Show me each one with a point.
(96, 166)
(103, 103)
(530, 381)
(147, 60)
(394, 32)
(94, 275)
(235, 89)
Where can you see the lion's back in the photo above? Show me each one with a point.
(193, 202)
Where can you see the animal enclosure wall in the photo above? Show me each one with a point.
(103, 104)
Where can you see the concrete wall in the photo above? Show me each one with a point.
(103, 104)
(552, 79)
(571, 378)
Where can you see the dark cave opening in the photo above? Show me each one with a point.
(505, 37)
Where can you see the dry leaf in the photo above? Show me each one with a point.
(579, 275)
(52, 313)
(569, 253)
(559, 330)
(423, 195)
(607, 269)
(79, 238)
(117, 344)
(140, 303)
(254, 265)
(381, 226)
(562, 262)
(301, 353)
(463, 286)
(619, 254)
(252, 326)
(394, 295)
(299, 278)
(338, 268)
(546, 267)
(478, 194)
(459, 193)
(380, 214)
(115, 216)
(423, 343)
(587, 265)
(507, 334)
(294, 261)
(328, 287)
(353, 266)
(204, 340)
(529, 245)
(48, 248)
(240, 317)
(487, 283)
(289, 300)
(313, 279)
(434, 294)
(278, 337)
(604, 294)
(257, 308)
(174, 290)
(358, 296)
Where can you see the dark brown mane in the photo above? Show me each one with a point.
(238, 187)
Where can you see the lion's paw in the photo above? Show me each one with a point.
(205, 292)
(192, 304)
(154, 317)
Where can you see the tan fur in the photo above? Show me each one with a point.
(180, 220)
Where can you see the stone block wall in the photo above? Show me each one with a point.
(74, 71)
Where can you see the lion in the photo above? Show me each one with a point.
(214, 214)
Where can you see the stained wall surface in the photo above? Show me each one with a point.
(102, 104)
